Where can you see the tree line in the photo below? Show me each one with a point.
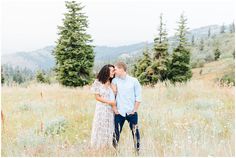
(159, 65)
(16, 75)
(74, 54)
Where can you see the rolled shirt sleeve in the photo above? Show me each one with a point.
(114, 81)
(137, 91)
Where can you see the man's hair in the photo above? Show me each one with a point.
(121, 65)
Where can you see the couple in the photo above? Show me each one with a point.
(118, 97)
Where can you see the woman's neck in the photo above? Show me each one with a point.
(107, 83)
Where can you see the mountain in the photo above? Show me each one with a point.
(43, 59)
(109, 53)
(38, 59)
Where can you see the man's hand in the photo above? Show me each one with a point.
(131, 113)
(136, 105)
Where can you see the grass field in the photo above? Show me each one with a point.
(193, 119)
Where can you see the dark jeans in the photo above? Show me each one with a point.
(133, 124)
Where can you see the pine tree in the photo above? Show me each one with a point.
(140, 68)
(17, 76)
(180, 70)
(2, 76)
(73, 53)
(201, 45)
(182, 32)
(40, 77)
(209, 32)
(232, 28)
(159, 68)
(222, 29)
(193, 40)
(217, 53)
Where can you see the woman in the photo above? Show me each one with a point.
(103, 122)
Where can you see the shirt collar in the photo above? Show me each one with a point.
(124, 77)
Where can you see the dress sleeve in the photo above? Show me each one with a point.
(96, 87)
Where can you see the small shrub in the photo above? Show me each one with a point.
(56, 126)
(24, 107)
(227, 79)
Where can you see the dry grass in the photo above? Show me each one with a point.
(194, 119)
(213, 70)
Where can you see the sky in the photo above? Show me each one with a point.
(28, 25)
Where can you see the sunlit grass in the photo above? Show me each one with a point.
(193, 119)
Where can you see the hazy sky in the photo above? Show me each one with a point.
(32, 24)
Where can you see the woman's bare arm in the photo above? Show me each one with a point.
(103, 100)
(114, 88)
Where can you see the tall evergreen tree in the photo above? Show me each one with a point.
(180, 70)
(140, 68)
(73, 53)
(159, 68)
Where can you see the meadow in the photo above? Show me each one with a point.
(193, 119)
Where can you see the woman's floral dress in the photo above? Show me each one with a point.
(103, 122)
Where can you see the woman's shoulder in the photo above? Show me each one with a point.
(96, 86)
(96, 83)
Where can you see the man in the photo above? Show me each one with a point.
(128, 98)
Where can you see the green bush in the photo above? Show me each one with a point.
(228, 79)
(56, 126)
(41, 77)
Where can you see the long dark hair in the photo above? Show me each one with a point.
(104, 74)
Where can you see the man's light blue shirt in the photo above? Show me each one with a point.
(128, 91)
